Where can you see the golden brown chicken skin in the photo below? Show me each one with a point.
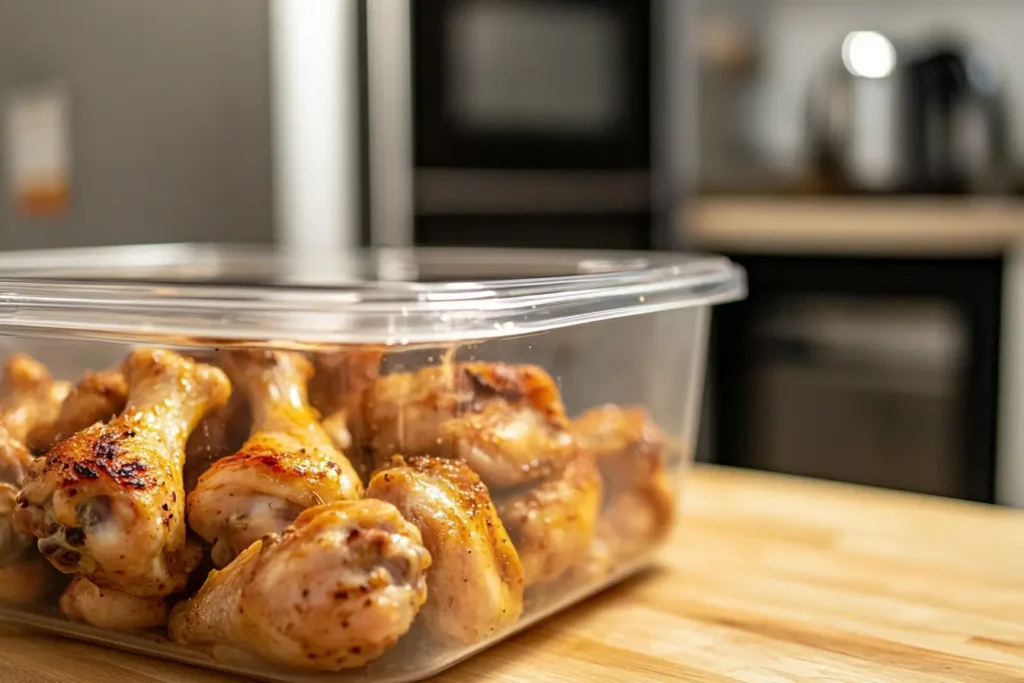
(108, 502)
(109, 609)
(287, 465)
(29, 398)
(552, 523)
(334, 591)
(475, 586)
(639, 501)
(97, 397)
(627, 443)
(506, 421)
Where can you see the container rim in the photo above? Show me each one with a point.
(175, 293)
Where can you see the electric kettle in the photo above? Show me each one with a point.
(885, 117)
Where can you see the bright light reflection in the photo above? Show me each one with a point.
(868, 54)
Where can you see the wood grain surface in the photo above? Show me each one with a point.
(768, 579)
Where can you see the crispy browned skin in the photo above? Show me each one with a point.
(337, 388)
(98, 397)
(106, 608)
(553, 522)
(506, 421)
(639, 501)
(108, 502)
(475, 587)
(336, 590)
(287, 465)
(29, 397)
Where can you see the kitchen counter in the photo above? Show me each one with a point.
(768, 579)
(934, 226)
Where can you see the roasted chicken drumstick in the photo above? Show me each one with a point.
(506, 421)
(553, 522)
(23, 578)
(287, 465)
(475, 586)
(29, 398)
(13, 543)
(108, 502)
(96, 398)
(630, 452)
(110, 609)
(334, 591)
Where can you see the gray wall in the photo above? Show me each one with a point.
(170, 107)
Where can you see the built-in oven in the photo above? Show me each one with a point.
(865, 370)
(532, 84)
(558, 123)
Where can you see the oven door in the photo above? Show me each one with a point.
(871, 371)
(861, 390)
(531, 84)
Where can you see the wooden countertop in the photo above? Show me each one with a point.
(768, 579)
(859, 225)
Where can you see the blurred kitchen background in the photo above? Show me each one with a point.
(862, 159)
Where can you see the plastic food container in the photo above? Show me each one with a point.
(317, 466)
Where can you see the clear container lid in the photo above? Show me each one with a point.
(201, 294)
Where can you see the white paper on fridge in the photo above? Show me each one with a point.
(37, 133)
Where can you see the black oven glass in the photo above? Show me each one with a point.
(531, 83)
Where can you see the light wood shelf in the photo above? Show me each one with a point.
(925, 225)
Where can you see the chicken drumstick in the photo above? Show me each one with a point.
(108, 502)
(23, 578)
(553, 523)
(506, 421)
(639, 501)
(337, 589)
(29, 398)
(97, 397)
(105, 608)
(287, 465)
(476, 583)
